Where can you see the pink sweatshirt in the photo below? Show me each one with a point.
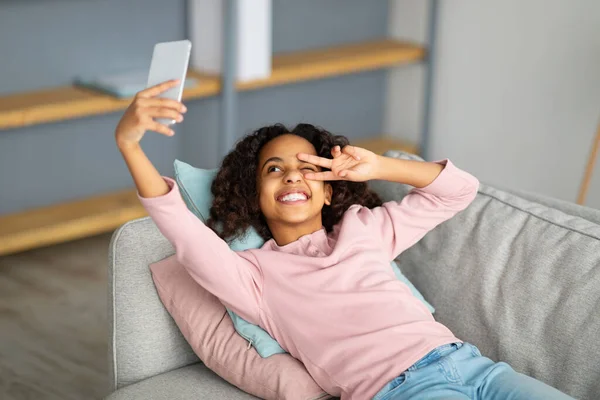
(331, 300)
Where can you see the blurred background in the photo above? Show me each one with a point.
(509, 90)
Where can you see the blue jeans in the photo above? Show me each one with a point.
(459, 371)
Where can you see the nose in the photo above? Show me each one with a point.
(293, 176)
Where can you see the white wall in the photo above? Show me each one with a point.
(516, 98)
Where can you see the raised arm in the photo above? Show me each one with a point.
(441, 191)
(437, 197)
(234, 278)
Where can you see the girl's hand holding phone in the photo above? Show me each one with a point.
(139, 116)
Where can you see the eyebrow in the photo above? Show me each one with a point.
(279, 159)
(276, 159)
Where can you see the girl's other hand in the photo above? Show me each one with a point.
(350, 163)
(139, 116)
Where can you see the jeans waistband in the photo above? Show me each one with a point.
(435, 355)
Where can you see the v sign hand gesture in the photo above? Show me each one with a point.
(350, 164)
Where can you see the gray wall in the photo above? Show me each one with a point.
(516, 94)
(50, 42)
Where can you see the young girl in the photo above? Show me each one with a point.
(322, 285)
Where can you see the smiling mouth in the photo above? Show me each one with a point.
(293, 198)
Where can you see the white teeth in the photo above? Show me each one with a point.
(294, 197)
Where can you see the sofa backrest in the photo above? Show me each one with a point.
(519, 279)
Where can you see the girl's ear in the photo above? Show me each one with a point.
(328, 193)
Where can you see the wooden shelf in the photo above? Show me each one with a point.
(68, 221)
(381, 144)
(340, 60)
(69, 102)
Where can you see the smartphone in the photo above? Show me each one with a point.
(169, 61)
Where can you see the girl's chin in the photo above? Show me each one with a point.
(296, 218)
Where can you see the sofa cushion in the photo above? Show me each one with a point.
(192, 382)
(204, 323)
(518, 279)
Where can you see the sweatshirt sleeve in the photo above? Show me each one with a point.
(399, 225)
(234, 278)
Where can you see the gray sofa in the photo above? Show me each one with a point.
(517, 275)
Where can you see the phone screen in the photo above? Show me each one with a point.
(170, 61)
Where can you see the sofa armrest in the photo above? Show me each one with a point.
(143, 339)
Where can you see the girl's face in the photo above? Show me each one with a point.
(285, 197)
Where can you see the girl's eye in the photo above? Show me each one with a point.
(310, 169)
(273, 169)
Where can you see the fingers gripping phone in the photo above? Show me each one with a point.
(169, 61)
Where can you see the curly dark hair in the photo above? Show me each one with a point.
(235, 206)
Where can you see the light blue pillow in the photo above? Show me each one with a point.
(194, 184)
(412, 288)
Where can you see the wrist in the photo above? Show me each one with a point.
(127, 146)
(379, 168)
